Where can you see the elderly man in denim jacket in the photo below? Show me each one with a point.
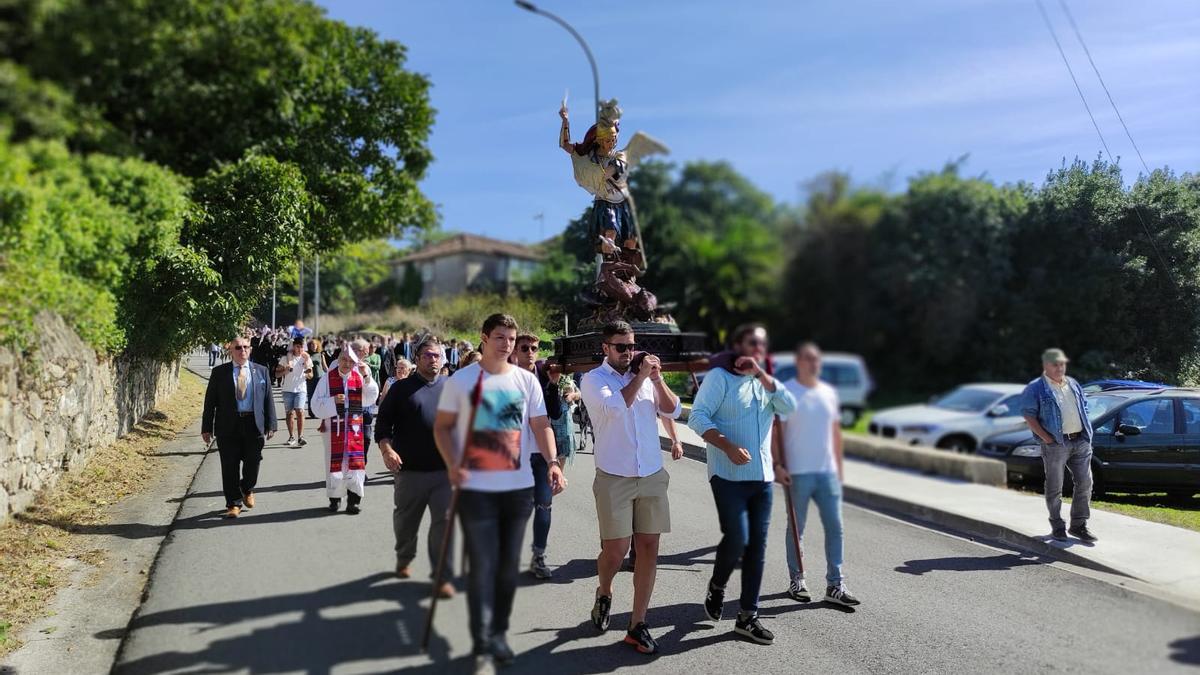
(1057, 412)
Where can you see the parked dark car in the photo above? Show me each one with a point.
(1144, 441)
(1109, 385)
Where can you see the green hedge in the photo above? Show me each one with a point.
(72, 232)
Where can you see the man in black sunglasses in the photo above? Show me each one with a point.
(525, 357)
(625, 396)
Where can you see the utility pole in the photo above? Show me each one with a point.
(300, 293)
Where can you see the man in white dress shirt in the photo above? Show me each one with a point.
(631, 483)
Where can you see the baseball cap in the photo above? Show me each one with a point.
(1054, 355)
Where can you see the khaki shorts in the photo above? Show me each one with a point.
(628, 505)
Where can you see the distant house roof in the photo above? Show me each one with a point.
(472, 243)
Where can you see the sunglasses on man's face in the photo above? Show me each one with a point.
(241, 347)
(528, 348)
(622, 347)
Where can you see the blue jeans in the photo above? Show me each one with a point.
(543, 498)
(294, 400)
(826, 490)
(493, 525)
(744, 511)
(1076, 457)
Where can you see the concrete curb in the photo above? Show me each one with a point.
(162, 541)
(971, 527)
(925, 515)
(982, 470)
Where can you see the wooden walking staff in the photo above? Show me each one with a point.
(777, 443)
(476, 396)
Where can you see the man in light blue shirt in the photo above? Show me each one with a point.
(734, 411)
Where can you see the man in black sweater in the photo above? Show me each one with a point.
(421, 482)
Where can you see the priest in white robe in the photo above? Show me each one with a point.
(341, 399)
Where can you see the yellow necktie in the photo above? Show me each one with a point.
(241, 383)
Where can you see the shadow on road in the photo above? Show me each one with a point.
(310, 632)
(792, 605)
(1186, 650)
(585, 568)
(996, 563)
(258, 490)
(203, 521)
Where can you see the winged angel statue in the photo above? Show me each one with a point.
(603, 171)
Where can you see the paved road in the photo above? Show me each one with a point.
(291, 588)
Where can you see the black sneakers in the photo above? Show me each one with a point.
(748, 626)
(639, 636)
(334, 504)
(538, 566)
(1084, 534)
(798, 590)
(714, 601)
(600, 612)
(501, 651)
(840, 595)
(1058, 534)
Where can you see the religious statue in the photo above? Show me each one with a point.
(603, 171)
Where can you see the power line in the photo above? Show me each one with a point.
(1111, 102)
(1166, 269)
(1053, 34)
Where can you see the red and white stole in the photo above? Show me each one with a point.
(346, 430)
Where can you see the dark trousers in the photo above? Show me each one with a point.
(744, 511)
(212, 359)
(414, 493)
(241, 453)
(543, 498)
(493, 525)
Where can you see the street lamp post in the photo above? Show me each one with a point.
(530, 7)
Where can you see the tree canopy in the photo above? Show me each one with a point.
(161, 161)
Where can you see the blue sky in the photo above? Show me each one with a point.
(785, 90)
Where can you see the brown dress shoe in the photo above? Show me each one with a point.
(248, 499)
(403, 572)
(446, 590)
(233, 511)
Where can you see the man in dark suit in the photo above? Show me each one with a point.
(238, 401)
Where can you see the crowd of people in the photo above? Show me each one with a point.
(494, 425)
(485, 434)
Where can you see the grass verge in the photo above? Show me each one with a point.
(1157, 508)
(38, 546)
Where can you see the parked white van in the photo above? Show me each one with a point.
(845, 372)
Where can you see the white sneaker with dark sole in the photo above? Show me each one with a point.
(798, 590)
(840, 595)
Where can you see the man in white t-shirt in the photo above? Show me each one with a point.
(496, 400)
(811, 468)
(295, 368)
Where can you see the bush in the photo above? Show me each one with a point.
(73, 232)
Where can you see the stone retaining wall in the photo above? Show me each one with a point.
(61, 403)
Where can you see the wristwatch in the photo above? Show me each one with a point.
(555, 462)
